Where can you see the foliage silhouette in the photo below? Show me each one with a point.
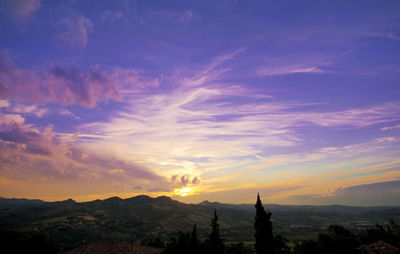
(337, 240)
(186, 243)
(379, 233)
(263, 226)
(236, 248)
(214, 243)
(28, 242)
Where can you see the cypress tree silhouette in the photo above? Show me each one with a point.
(195, 246)
(214, 241)
(193, 237)
(263, 226)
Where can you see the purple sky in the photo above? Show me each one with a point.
(196, 100)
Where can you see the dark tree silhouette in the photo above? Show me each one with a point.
(236, 248)
(180, 246)
(28, 242)
(308, 247)
(194, 242)
(280, 244)
(186, 243)
(337, 240)
(214, 242)
(263, 226)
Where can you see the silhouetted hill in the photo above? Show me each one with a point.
(143, 217)
(6, 203)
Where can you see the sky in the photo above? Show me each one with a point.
(201, 100)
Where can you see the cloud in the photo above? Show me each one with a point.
(24, 8)
(185, 17)
(28, 109)
(201, 128)
(14, 133)
(111, 16)
(29, 140)
(9, 119)
(66, 86)
(180, 17)
(371, 194)
(244, 195)
(43, 154)
(211, 73)
(4, 103)
(198, 127)
(76, 31)
(387, 128)
(195, 180)
(290, 69)
(68, 113)
(117, 171)
(184, 180)
(85, 88)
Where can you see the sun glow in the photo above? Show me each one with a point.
(183, 192)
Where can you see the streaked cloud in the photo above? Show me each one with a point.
(377, 193)
(290, 69)
(66, 112)
(215, 134)
(386, 128)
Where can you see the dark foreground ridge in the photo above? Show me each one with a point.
(142, 219)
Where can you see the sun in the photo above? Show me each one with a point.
(183, 192)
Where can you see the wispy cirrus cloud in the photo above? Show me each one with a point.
(376, 193)
(197, 129)
(66, 112)
(290, 69)
(387, 128)
(189, 136)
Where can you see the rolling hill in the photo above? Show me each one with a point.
(143, 217)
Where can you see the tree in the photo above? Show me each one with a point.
(338, 240)
(214, 242)
(186, 243)
(308, 247)
(280, 244)
(263, 226)
(236, 248)
(194, 242)
(28, 242)
(180, 246)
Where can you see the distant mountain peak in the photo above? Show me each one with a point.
(208, 203)
(164, 198)
(67, 201)
(113, 198)
(18, 202)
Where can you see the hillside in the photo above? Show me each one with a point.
(143, 217)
